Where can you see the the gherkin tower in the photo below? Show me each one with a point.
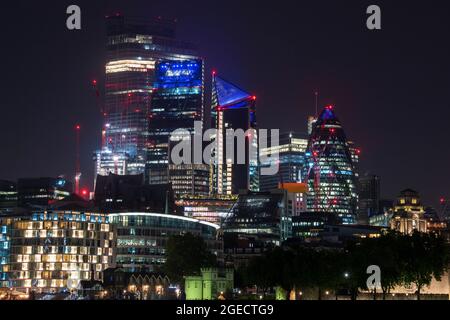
(329, 170)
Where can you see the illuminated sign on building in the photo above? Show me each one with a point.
(176, 74)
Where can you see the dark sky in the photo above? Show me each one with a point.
(390, 87)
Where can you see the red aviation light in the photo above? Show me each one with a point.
(253, 98)
(214, 72)
(94, 82)
(84, 192)
(332, 130)
(77, 127)
(329, 107)
(442, 200)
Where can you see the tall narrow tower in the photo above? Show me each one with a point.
(233, 108)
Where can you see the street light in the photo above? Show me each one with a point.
(346, 275)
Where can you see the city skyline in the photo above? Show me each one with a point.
(370, 83)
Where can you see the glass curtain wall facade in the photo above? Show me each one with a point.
(177, 102)
(291, 151)
(330, 171)
(233, 108)
(134, 46)
(261, 214)
(142, 238)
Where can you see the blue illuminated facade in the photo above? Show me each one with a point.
(330, 171)
(177, 102)
(233, 108)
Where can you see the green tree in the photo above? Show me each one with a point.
(425, 256)
(186, 255)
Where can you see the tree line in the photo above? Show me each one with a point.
(402, 259)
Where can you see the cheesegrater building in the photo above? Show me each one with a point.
(329, 170)
(233, 108)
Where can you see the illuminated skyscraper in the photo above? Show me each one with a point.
(134, 48)
(233, 108)
(177, 102)
(291, 158)
(330, 171)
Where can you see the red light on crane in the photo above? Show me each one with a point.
(442, 200)
(94, 82)
(214, 72)
(77, 127)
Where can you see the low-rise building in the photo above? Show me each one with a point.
(142, 237)
(212, 284)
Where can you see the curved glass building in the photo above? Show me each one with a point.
(142, 237)
(330, 171)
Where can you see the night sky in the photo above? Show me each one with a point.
(390, 88)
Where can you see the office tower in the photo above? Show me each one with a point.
(236, 166)
(329, 169)
(261, 214)
(291, 159)
(134, 49)
(177, 102)
(190, 178)
(355, 153)
(42, 192)
(369, 197)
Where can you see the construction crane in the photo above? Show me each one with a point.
(77, 165)
(443, 215)
(101, 109)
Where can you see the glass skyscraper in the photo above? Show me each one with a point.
(329, 170)
(233, 108)
(291, 158)
(135, 47)
(177, 102)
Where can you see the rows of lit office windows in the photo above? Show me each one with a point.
(65, 251)
(59, 233)
(57, 258)
(53, 266)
